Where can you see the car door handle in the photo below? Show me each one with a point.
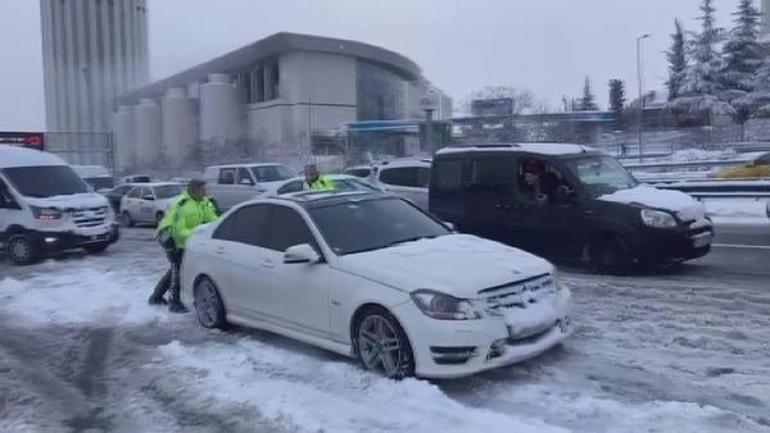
(220, 251)
(267, 263)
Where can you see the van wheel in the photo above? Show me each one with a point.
(22, 249)
(126, 219)
(382, 345)
(609, 254)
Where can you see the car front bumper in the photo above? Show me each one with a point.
(675, 245)
(445, 349)
(54, 242)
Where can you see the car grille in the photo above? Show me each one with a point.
(518, 294)
(89, 217)
(692, 214)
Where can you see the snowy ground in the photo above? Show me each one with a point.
(81, 351)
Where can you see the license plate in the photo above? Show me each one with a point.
(701, 241)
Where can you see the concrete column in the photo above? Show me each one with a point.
(148, 133)
(125, 138)
(220, 111)
(179, 126)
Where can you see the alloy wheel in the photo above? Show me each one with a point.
(380, 346)
(207, 304)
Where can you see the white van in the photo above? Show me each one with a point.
(232, 184)
(46, 208)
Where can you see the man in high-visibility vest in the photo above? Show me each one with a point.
(191, 209)
(314, 181)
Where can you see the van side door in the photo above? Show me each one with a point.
(225, 186)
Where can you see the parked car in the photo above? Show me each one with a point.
(371, 275)
(408, 178)
(342, 183)
(45, 207)
(759, 167)
(236, 183)
(115, 195)
(583, 205)
(135, 178)
(146, 203)
(97, 176)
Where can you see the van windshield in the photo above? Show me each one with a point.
(45, 181)
(601, 175)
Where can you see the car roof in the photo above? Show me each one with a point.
(255, 164)
(406, 163)
(314, 199)
(14, 156)
(545, 149)
(156, 184)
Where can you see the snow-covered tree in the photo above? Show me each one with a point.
(677, 61)
(742, 56)
(757, 101)
(702, 86)
(617, 96)
(587, 101)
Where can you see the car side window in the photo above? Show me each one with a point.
(227, 176)
(244, 177)
(248, 226)
(401, 176)
(293, 186)
(448, 175)
(146, 192)
(287, 229)
(540, 182)
(492, 174)
(134, 193)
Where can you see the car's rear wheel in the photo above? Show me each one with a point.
(22, 249)
(208, 305)
(126, 219)
(382, 345)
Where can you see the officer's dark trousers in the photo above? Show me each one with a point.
(170, 280)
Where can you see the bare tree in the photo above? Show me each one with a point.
(523, 100)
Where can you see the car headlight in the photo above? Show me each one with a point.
(658, 219)
(46, 213)
(444, 307)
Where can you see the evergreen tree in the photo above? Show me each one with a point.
(757, 101)
(617, 96)
(701, 86)
(677, 61)
(587, 101)
(742, 55)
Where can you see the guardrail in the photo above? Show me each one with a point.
(685, 164)
(727, 188)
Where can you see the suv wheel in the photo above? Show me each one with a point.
(382, 346)
(22, 249)
(609, 254)
(126, 219)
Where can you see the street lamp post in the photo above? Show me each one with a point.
(641, 88)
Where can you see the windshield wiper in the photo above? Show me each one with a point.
(414, 239)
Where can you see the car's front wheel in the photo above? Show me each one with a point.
(208, 305)
(382, 345)
(22, 249)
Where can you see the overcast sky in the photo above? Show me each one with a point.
(548, 46)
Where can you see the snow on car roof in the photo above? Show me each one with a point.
(14, 156)
(406, 163)
(255, 164)
(551, 149)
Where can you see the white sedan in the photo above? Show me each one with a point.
(370, 275)
(146, 203)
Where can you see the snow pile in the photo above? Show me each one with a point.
(738, 208)
(317, 395)
(692, 155)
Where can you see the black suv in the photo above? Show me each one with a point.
(566, 201)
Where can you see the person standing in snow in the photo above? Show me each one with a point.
(191, 209)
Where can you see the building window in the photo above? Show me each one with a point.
(381, 93)
(262, 82)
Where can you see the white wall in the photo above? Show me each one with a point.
(147, 130)
(179, 125)
(125, 140)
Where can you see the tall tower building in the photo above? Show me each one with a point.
(766, 18)
(93, 50)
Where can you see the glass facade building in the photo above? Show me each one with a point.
(381, 93)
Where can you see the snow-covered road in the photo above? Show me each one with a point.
(81, 351)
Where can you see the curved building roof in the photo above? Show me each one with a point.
(245, 57)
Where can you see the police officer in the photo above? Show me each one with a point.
(314, 181)
(191, 209)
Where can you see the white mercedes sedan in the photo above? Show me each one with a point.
(371, 276)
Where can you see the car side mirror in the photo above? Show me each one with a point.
(299, 254)
(149, 197)
(449, 225)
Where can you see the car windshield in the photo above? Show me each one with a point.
(353, 184)
(271, 173)
(100, 182)
(366, 225)
(601, 175)
(167, 191)
(359, 172)
(45, 181)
